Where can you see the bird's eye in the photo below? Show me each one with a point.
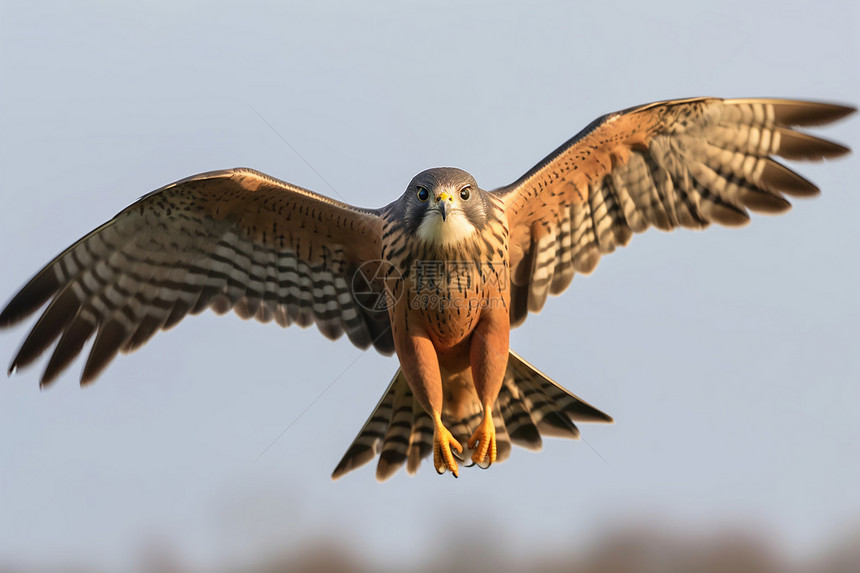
(464, 193)
(423, 194)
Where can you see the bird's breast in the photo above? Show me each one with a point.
(445, 289)
(446, 297)
(450, 303)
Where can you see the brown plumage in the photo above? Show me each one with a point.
(439, 276)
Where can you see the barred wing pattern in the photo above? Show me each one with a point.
(234, 239)
(680, 163)
(529, 405)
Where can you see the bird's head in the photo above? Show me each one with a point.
(444, 205)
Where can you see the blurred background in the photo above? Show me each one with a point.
(729, 358)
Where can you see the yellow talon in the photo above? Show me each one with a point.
(483, 441)
(443, 441)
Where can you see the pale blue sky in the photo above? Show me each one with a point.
(728, 358)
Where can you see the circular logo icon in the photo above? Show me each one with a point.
(374, 285)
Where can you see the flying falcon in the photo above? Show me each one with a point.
(439, 276)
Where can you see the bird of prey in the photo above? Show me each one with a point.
(439, 276)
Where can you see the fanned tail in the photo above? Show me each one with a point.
(530, 405)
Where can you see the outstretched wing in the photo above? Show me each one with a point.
(680, 163)
(235, 239)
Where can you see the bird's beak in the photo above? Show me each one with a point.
(444, 201)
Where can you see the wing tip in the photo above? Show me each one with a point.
(814, 113)
(29, 299)
(7, 318)
(800, 112)
(801, 146)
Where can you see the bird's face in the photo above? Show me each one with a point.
(444, 206)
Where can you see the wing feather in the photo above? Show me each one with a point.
(227, 240)
(680, 163)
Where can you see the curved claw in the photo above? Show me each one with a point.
(483, 441)
(443, 458)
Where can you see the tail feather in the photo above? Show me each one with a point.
(552, 408)
(395, 444)
(548, 419)
(420, 440)
(366, 444)
(577, 409)
(529, 405)
(518, 420)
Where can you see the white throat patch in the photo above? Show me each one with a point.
(454, 229)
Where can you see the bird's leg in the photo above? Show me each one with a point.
(483, 440)
(489, 358)
(420, 365)
(443, 441)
